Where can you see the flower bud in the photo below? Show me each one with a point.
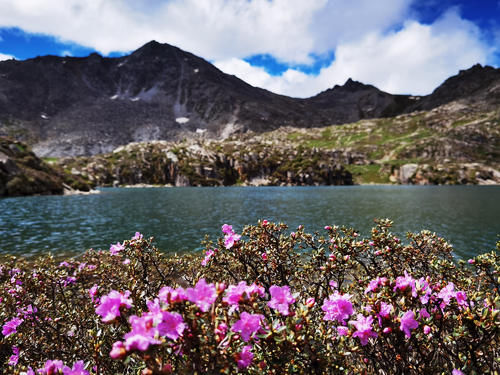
(118, 351)
(310, 302)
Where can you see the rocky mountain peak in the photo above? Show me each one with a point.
(478, 84)
(67, 106)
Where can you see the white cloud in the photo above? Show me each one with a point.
(414, 59)
(371, 39)
(216, 29)
(6, 57)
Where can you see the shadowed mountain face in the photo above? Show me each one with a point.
(66, 106)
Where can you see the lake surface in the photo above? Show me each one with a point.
(178, 218)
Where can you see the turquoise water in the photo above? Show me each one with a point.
(178, 218)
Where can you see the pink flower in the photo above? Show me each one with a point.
(14, 358)
(208, 255)
(471, 261)
(264, 256)
(203, 295)
(172, 325)
(385, 309)
(408, 323)
(310, 302)
(118, 350)
(427, 330)
(109, 307)
(69, 280)
(93, 292)
(234, 293)
(137, 236)
(230, 237)
(248, 325)
(281, 299)
(423, 286)
(245, 357)
(115, 249)
(10, 327)
(363, 328)
(403, 282)
(169, 295)
(255, 289)
(342, 331)
(142, 334)
(424, 314)
(385, 312)
(221, 330)
(457, 372)
(78, 369)
(126, 261)
(461, 298)
(229, 240)
(374, 284)
(51, 367)
(337, 307)
(227, 229)
(446, 294)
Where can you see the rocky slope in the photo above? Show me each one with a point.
(64, 106)
(451, 144)
(252, 161)
(23, 173)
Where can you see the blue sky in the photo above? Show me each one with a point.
(293, 47)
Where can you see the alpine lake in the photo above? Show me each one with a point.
(179, 218)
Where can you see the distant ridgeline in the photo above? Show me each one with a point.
(188, 123)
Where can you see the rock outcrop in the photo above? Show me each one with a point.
(23, 173)
(211, 163)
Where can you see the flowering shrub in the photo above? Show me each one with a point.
(263, 301)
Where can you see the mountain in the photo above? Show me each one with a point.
(67, 106)
(82, 106)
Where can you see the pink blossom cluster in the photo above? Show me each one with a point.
(448, 292)
(56, 366)
(230, 237)
(281, 299)
(208, 255)
(237, 293)
(10, 327)
(109, 307)
(116, 249)
(337, 307)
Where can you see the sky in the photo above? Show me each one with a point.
(291, 47)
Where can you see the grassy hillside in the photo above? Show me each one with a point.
(452, 144)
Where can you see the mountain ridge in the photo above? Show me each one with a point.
(70, 106)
